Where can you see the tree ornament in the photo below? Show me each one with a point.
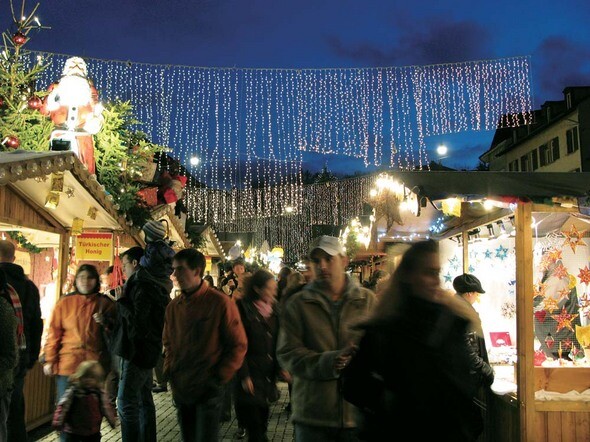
(573, 238)
(19, 38)
(11, 142)
(1, 102)
(549, 341)
(35, 102)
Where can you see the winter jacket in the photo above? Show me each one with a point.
(8, 347)
(310, 338)
(260, 363)
(138, 333)
(33, 324)
(80, 411)
(204, 344)
(413, 368)
(74, 336)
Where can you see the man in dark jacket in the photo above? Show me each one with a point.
(33, 328)
(138, 341)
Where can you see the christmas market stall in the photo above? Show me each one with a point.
(525, 236)
(58, 215)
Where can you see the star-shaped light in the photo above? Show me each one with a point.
(584, 275)
(488, 254)
(448, 277)
(573, 238)
(501, 252)
(564, 319)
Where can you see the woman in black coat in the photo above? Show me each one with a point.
(256, 388)
(412, 367)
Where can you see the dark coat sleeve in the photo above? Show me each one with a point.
(33, 324)
(482, 371)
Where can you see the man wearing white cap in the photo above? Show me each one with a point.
(316, 341)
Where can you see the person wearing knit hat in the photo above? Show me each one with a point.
(157, 258)
(154, 231)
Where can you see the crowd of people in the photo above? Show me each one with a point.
(355, 357)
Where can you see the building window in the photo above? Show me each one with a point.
(572, 140)
(555, 149)
(568, 100)
(535, 159)
(544, 155)
(513, 166)
(524, 163)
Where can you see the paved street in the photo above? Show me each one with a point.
(279, 428)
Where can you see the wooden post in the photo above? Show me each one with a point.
(64, 260)
(465, 240)
(524, 320)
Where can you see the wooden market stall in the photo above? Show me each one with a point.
(44, 198)
(530, 247)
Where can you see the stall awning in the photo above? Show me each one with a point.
(532, 185)
(29, 173)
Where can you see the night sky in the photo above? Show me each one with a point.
(331, 33)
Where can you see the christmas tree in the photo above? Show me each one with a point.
(21, 123)
(121, 151)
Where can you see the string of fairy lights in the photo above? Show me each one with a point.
(252, 127)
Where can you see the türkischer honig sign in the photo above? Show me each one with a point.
(94, 247)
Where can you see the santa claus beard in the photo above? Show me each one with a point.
(73, 91)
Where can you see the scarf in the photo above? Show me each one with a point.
(264, 308)
(18, 312)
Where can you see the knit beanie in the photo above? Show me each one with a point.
(154, 230)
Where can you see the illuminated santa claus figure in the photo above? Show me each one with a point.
(74, 108)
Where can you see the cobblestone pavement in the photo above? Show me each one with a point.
(279, 427)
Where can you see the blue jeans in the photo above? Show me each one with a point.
(61, 383)
(308, 433)
(136, 404)
(199, 421)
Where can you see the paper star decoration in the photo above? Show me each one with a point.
(554, 254)
(584, 275)
(550, 305)
(573, 238)
(448, 277)
(502, 253)
(560, 271)
(471, 269)
(454, 262)
(563, 294)
(564, 320)
(539, 290)
(488, 254)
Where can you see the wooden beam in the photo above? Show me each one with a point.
(465, 241)
(524, 320)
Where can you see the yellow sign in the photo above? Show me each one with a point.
(208, 263)
(94, 247)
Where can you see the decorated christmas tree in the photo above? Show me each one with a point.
(121, 153)
(21, 123)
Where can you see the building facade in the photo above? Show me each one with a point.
(558, 140)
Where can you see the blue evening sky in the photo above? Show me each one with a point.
(331, 33)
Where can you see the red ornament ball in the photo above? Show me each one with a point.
(1, 102)
(35, 102)
(19, 39)
(12, 142)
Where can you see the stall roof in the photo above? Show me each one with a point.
(477, 185)
(30, 174)
(213, 247)
(533, 185)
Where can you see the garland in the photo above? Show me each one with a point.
(23, 242)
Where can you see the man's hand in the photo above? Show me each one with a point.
(345, 356)
(48, 369)
(248, 385)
